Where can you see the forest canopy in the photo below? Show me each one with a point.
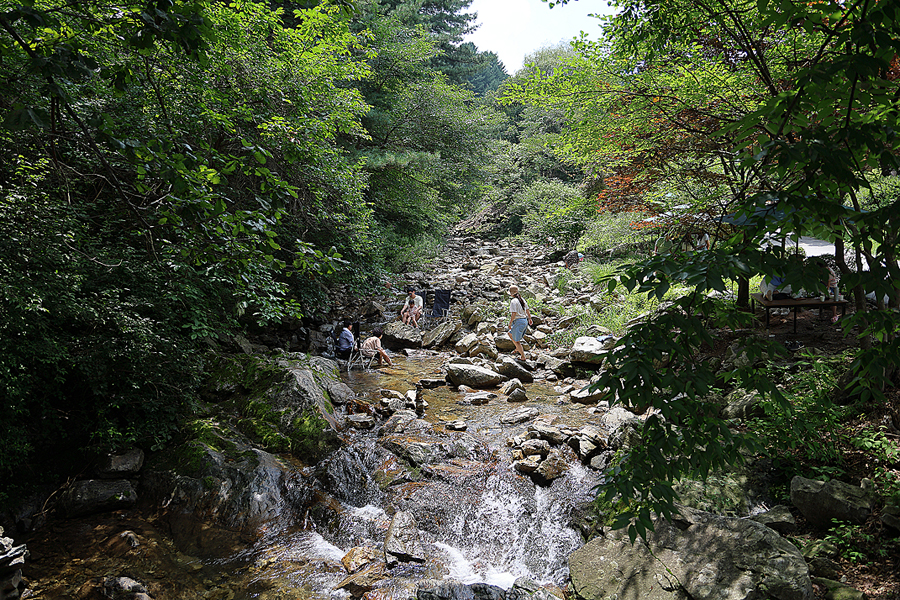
(174, 171)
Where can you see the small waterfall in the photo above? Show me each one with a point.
(492, 526)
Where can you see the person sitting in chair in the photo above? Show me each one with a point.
(372, 347)
(345, 341)
(412, 309)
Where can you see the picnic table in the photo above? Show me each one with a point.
(796, 304)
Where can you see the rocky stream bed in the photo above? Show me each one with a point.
(458, 473)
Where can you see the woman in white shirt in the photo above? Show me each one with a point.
(519, 319)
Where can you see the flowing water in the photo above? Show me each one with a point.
(479, 520)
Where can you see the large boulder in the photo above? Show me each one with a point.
(92, 496)
(117, 466)
(440, 334)
(699, 556)
(513, 369)
(589, 350)
(472, 376)
(820, 502)
(398, 335)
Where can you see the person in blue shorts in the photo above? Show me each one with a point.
(519, 319)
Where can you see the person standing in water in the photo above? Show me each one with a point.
(519, 319)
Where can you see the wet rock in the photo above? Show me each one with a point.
(513, 391)
(514, 369)
(778, 518)
(92, 496)
(401, 543)
(553, 466)
(472, 375)
(118, 466)
(528, 465)
(698, 555)
(547, 432)
(441, 334)
(418, 450)
(466, 343)
(456, 425)
(117, 588)
(364, 581)
(820, 502)
(430, 383)
(242, 487)
(519, 415)
(398, 335)
(535, 447)
(121, 544)
(477, 398)
(361, 421)
(461, 591)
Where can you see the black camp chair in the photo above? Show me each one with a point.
(440, 310)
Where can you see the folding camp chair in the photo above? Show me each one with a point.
(357, 358)
(440, 310)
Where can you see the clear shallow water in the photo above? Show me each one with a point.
(480, 521)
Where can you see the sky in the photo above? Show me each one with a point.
(515, 28)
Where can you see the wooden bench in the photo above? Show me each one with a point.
(796, 304)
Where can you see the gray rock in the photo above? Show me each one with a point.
(778, 518)
(484, 347)
(742, 404)
(547, 432)
(519, 415)
(616, 417)
(466, 343)
(552, 467)
(461, 591)
(529, 465)
(92, 496)
(588, 350)
(398, 335)
(835, 590)
(401, 542)
(559, 366)
(440, 334)
(820, 502)
(117, 466)
(364, 580)
(699, 556)
(503, 342)
(477, 399)
(584, 395)
(361, 421)
(472, 376)
(538, 447)
(890, 516)
(512, 368)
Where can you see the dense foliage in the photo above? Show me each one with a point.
(175, 170)
(782, 114)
